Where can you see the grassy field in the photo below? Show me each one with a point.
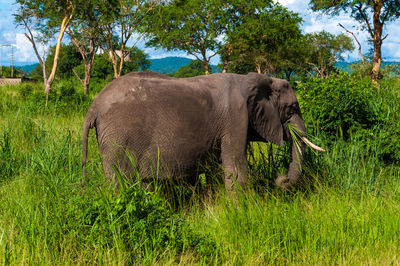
(346, 212)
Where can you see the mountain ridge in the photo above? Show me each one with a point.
(171, 64)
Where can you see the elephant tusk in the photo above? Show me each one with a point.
(312, 145)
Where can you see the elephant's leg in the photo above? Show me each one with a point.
(115, 162)
(233, 155)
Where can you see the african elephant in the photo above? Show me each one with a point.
(170, 125)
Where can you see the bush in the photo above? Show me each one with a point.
(361, 69)
(139, 221)
(338, 105)
(65, 96)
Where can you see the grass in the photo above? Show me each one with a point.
(347, 211)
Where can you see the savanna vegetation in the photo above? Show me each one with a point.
(346, 209)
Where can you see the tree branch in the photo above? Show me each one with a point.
(32, 40)
(355, 38)
(387, 12)
(359, 7)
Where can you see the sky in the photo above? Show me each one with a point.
(313, 22)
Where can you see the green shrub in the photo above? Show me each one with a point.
(361, 70)
(65, 96)
(387, 134)
(138, 221)
(338, 105)
(26, 89)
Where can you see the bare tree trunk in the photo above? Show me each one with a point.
(87, 57)
(86, 81)
(258, 67)
(88, 70)
(225, 55)
(225, 66)
(122, 60)
(377, 40)
(52, 75)
(206, 67)
(114, 62)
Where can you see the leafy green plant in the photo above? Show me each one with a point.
(338, 105)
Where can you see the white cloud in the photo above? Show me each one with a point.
(24, 49)
(287, 2)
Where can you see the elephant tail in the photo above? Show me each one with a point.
(89, 123)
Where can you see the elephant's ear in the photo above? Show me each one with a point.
(263, 111)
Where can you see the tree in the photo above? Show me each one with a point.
(139, 60)
(84, 31)
(102, 70)
(47, 18)
(69, 58)
(18, 72)
(195, 68)
(260, 33)
(120, 22)
(325, 49)
(191, 26)
(293, 57)
(371, 14)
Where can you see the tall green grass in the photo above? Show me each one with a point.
(345, 212)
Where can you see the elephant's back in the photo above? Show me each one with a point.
(152, 116)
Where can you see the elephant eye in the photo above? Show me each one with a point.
(292, 109)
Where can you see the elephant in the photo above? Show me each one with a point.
(170, 125)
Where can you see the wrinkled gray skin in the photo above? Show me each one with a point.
(171, 125)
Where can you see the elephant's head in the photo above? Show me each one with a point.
(274, 116)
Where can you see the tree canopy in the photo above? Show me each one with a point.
(195, 68)
(48, 18)
(192, 26)
(325, 49)
(371, 14)
(261, 36)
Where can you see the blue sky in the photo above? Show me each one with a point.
(313, 22)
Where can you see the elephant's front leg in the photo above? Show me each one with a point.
(233, 155)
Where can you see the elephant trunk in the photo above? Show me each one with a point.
(298, 147)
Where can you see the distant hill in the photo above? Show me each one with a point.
(172, 64)
(29, 68)
(168, 64)
(346, 66)
(162, 65)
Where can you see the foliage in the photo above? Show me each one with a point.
(361, 69)
(192, 26)
(347, 210)
(63, 99)
(102, 70)
(195, 68)
(372, 15)
(43, 20)
(120, 19)
(18, 72)
(68, 59)
(262, 34)
(8, 160)
(357, 9)
(141, 220)
(325, 50)
(139, 60)
(338, 105)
